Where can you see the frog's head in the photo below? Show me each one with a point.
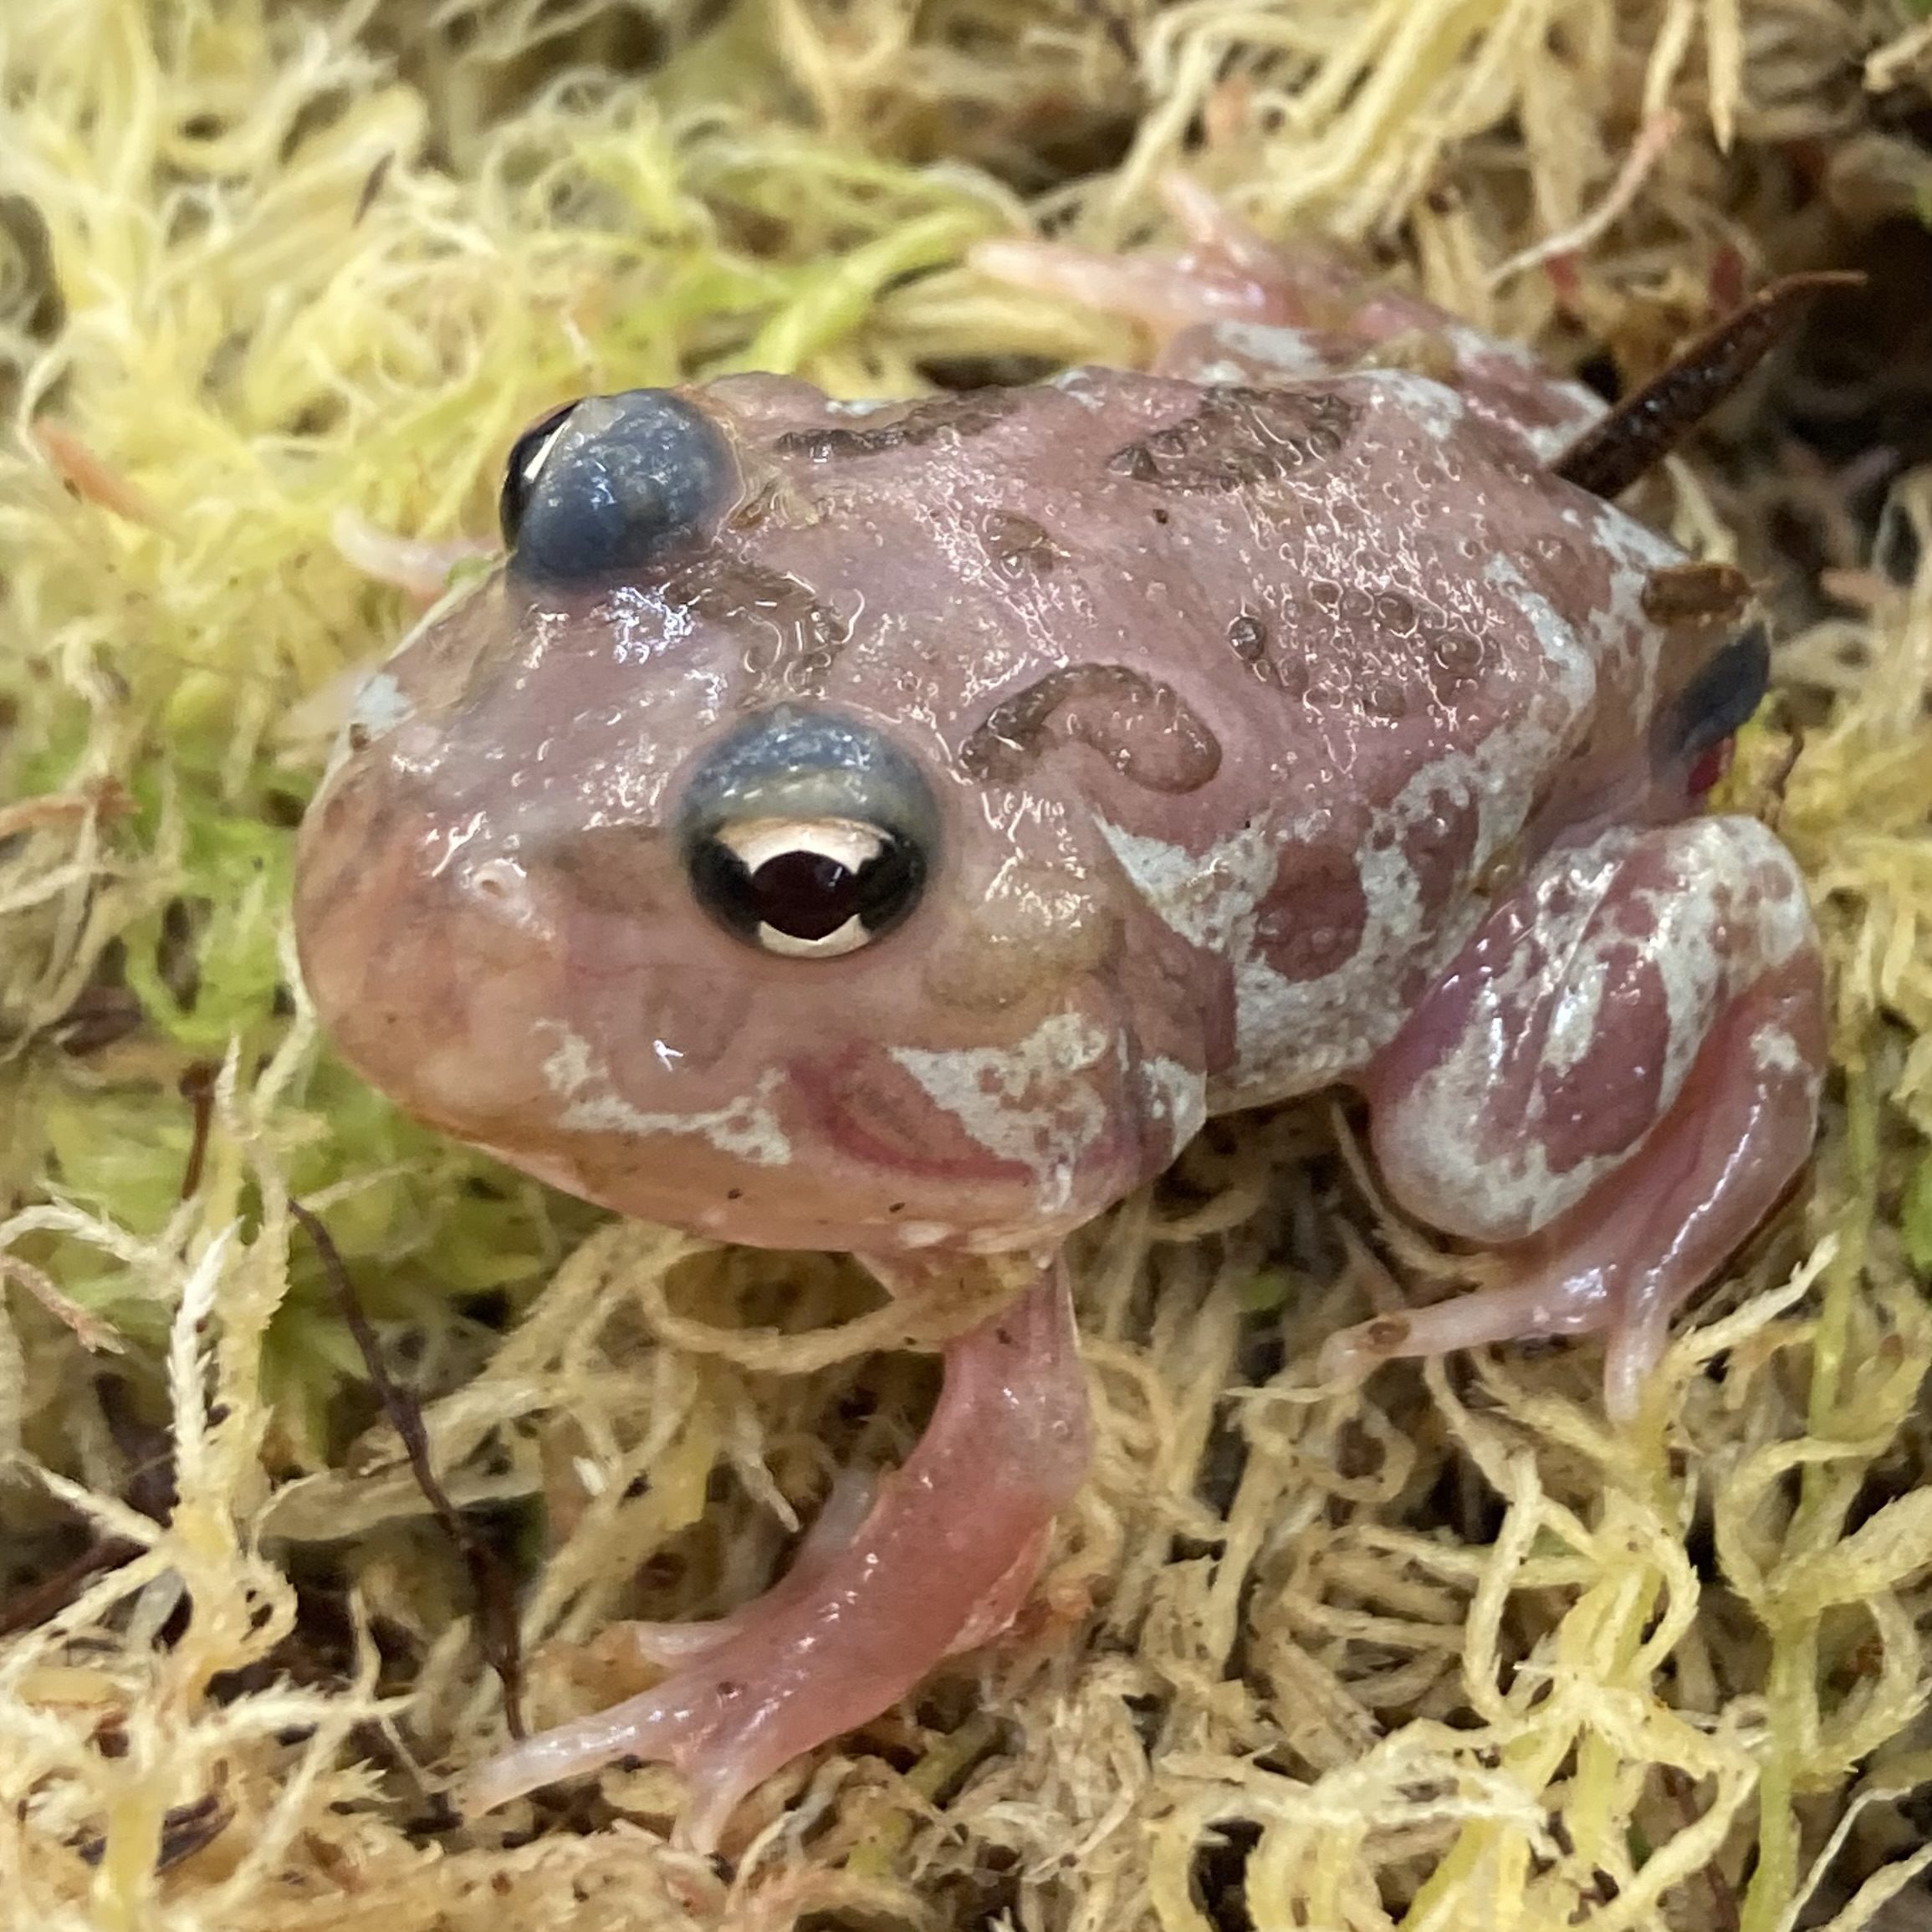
(615, 875)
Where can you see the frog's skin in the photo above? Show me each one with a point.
(1268, 720)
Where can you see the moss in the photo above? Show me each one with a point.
(1444, 1651)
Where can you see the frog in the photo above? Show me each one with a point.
(896, 827)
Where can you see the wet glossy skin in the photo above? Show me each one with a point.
(1280, 721)
(1308, 718)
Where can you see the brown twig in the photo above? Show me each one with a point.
(489, 1579)
(51, 1595)
(1643, 429)
(196, 1086)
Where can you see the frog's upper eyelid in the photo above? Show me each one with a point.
(611, 484)
(798, 762)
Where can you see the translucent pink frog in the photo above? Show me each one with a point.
(895, 828)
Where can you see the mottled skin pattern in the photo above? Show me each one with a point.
(1289, 723)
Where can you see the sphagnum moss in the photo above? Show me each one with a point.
(1444, 1653)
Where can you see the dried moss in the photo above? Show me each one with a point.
(1445, 1652)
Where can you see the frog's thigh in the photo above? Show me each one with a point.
(1614, 1081)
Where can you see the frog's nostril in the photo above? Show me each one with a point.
(613, 483)
(808, 835)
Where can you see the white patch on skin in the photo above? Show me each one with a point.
(375, 709)
(1292, 1035)
(1433, 407)
(1563, 650)
(1030, 1104)
(1291, 351)
(1175, 1094)
(920, 1234)
(1223, 372)
(1473, 351)
(1579, 1008)
(1773, 1050)
(379, 705)
(1631, 550)
(1203, 896)
(1723, 933)
(1078, 384)
(857, 405)
(746, 1128)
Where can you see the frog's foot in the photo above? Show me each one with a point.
(842, 1516)
(939, 1560)
(1615, 1082)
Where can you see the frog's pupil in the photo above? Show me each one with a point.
(806, 894)
(803, 893)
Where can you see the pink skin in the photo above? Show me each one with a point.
(1285, 722)
(841, 1638)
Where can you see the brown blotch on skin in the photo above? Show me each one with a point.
(1018, 545)
(1023, 945)
(1694, 593)
(955, 418)
(1607, 1100)
(1239, 437)
(805, 636)
(1310, 922)
(1147, 732)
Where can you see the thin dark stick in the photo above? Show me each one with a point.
(1643, 429)
(489, 1579)
(196, 1086)
(35, 1605)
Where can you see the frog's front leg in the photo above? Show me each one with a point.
(938, 1562)
(1614, 1082)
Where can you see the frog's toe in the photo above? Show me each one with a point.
(939, 1560)
(1158, 291)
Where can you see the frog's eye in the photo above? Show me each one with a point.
(808, 835)
(809, 889)
(611, 483)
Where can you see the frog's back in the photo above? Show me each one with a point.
(1314, 643)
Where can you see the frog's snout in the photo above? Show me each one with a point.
(613, 485)
(807, 834)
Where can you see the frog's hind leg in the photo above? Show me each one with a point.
(1232, 307)
(1226, 273)
(1613, 1084)
(938, 1561)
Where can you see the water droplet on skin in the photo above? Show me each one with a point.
(1249, 635)
(1384, 698)
(1395, 613)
